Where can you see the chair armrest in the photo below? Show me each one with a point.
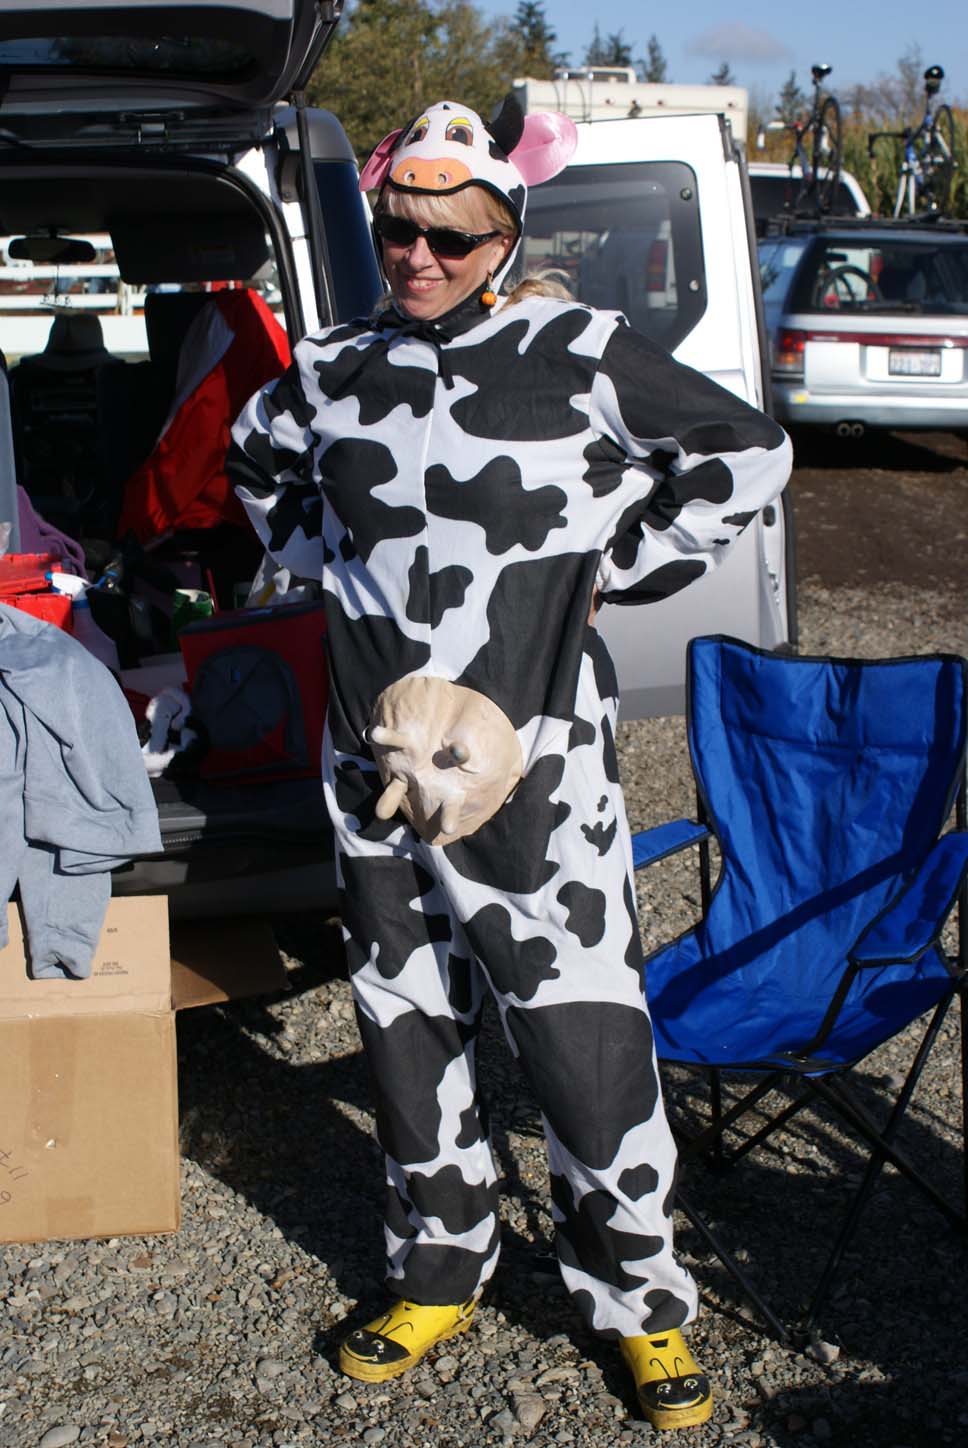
(913, 920)
(651, 845)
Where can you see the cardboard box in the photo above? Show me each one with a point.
(88, 1087)
(223, 960)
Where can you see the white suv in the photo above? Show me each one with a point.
(652, 217)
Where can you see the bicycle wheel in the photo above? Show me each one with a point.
(938, 163)
(827, 152)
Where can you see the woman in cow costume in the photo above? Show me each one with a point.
(470, 478)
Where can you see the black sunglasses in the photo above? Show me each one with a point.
(441, 240)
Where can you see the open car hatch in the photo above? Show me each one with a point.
(145, 73)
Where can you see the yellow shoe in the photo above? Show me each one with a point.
(396, 1341)
(672, 1392)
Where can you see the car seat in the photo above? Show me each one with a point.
(54, 406)
(898, 283)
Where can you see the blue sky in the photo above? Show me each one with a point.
(764, 40)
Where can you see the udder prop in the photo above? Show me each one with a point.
(448, 756)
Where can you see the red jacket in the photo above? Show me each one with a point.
(182, 483)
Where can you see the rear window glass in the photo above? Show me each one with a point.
(187, 55)
(778, 261)
(774, 195)
(624, 236)
(861, 275)
(33, 296)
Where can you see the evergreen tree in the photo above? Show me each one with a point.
(791, 103)
(595, 49)
(656, 67)
(530, 27)
(613, 50)
(722, 75)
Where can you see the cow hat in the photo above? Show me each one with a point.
(448, 147)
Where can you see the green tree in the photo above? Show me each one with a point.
(722, 75)
(791, 102)
(656, 68)
(535, 36)
(613, 50)
(390, 58)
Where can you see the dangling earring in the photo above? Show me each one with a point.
(488, 295)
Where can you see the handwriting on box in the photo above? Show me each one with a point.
(10, 1171)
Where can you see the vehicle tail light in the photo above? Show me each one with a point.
(655, 267)
(788, 354)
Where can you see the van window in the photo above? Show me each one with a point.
(625, 236)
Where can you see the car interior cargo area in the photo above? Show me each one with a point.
(142, 304)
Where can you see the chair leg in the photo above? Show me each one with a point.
(705, 1140)
(963, 996)
(775, 1122)
(835, 1093)
(732, 1267)
(847, 1230)
(716, 1106)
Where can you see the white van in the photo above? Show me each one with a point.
(653, 217)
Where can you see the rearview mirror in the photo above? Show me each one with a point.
(51, 250)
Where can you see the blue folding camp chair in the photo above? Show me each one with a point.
(827, 784)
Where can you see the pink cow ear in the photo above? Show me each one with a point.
(546, 146)
(377, 168)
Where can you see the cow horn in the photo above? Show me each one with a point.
(389, 738)
(391, 798)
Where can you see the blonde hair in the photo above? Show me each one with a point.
(462, 210)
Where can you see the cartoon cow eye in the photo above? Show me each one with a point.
(419, 131)
(460, 131)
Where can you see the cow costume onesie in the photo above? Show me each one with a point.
(464, 487)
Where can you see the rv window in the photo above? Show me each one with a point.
(625, 236)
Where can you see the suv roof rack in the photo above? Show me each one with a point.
(786, 225)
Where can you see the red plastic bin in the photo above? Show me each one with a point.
(53, 608)
(26, 572)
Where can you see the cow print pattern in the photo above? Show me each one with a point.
(460, 524)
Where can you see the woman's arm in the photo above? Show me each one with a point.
(708, 463)
(271, 462)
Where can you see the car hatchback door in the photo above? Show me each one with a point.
(651, 218)
(147, 69)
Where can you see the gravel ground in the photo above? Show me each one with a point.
(227, 1332)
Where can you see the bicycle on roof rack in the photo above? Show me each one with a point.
(928, 162)
(817, 150)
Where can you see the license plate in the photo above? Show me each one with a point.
(913, 364)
